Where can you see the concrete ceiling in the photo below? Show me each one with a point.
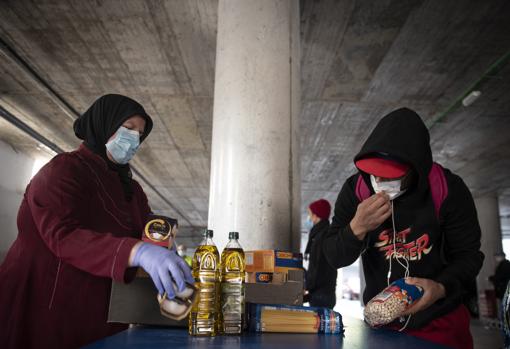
(360, 60)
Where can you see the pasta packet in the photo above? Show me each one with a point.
(294, 319)
(391, 302)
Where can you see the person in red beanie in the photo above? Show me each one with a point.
(320, 277)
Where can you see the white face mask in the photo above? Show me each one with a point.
(391, 188)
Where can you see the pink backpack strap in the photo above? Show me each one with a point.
(362, 191)
(438, 186)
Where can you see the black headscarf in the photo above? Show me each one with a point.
(101, 121)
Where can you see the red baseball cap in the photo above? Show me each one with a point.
(384, 168)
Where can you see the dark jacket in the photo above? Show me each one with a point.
(445, 250)
(320, 277)
(76, 231)
(501, 277)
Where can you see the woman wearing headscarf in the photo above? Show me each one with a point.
(80, 224)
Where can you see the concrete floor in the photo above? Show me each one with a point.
(485, 337)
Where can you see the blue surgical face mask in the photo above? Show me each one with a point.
(308, 223)
(124, 145)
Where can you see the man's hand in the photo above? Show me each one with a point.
(432, 292)
(370, 214)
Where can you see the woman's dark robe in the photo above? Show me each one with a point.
(76, 231)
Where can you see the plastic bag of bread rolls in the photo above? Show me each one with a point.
(179, 307)
(390, 303)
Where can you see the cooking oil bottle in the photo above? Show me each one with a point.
(204, 316)
(232, 287)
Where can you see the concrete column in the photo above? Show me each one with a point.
(490, 224)
(255, 171)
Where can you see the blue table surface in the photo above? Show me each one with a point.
(357, 335)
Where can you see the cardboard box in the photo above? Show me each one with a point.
(136, 303)
(271, 261)
(266, 278)
(279, 278)
(288, 293)
(256, 277)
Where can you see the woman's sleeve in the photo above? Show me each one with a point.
(59, 200)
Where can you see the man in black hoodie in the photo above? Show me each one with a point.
(442, 249)
(320, 277)
(501, 275)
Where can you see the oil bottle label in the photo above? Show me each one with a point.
(234, 263)
(232, 300)
(208, 262)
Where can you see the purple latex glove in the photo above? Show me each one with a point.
(163, 265)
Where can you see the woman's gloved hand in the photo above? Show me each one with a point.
(163, 265)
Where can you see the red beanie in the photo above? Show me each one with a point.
(321, 208)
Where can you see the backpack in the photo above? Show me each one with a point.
(437, 184)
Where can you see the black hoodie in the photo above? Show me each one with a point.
(445, 250)
(320, 277)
